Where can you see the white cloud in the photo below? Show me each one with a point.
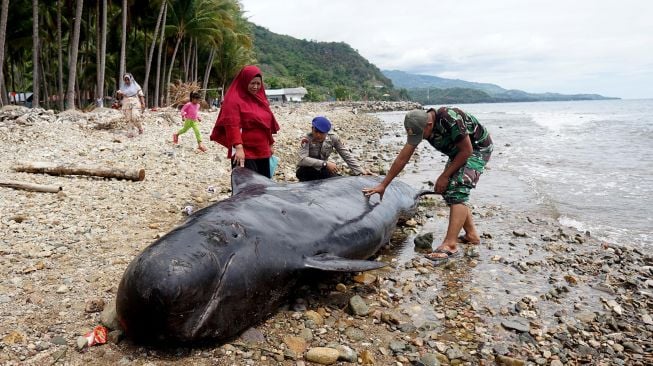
(581, 46)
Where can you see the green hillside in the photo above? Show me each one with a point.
(328, 70)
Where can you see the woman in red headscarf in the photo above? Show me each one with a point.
(245, 124)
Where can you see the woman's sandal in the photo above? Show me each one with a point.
(449, 254)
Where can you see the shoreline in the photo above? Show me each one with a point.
(534, 292)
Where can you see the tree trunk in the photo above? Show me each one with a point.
(123, 42)
(159, 74)
(3, 36)
(35, 54)
(30, 186)
(101, 50)
(207, 72)
(60, 95)
(72, 62)
(151, 53)
(44, 77)
(69, 169)
(172, 62)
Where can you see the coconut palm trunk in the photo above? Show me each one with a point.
(60, 90)
(35, 53)
(3, 35)
(123, 41)
(72, 62)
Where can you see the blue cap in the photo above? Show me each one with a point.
(321, 124)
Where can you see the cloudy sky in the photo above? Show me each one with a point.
(564, 46)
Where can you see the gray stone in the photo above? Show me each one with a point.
(59, 340)
(397, 346)
(109, 318)
(518, 324)
(346, 353)
(355, 334)
(430, 359)
(424, 241)
(633, 347)
(358, 306)
(454, 353)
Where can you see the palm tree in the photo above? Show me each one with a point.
(3, 34)
(35, 53)
(59, 58)
(159, 20)
(196, 19)
(123, 39)
(230, 24)
(102, 53)
(72, 62)
(157, 100)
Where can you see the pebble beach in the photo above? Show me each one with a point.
(534, 292)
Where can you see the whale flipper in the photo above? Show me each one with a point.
(329, 262)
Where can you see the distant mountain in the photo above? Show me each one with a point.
(402, 79)
(328, 70)
(427, 89)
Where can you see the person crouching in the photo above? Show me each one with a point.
(315, 150)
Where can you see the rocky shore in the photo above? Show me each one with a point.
(532, 293)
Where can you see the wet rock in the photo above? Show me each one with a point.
(424, 241)
(518, 324)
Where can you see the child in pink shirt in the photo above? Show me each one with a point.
(191, 120)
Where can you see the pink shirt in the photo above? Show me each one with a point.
(189, 111)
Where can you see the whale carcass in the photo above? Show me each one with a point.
(232, 264)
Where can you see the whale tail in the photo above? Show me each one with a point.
(333, 263)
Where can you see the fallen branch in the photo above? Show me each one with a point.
(68, 169)
(30, 186)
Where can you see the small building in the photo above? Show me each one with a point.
(24, 98)
(285, 95)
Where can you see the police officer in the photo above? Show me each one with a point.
(315, 150)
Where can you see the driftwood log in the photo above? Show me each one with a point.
(69, 169)
(30, 186)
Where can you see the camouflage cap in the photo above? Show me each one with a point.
(414, 122)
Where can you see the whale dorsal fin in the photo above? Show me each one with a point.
(329, 262)
(243, 179)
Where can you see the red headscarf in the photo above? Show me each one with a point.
(238, 101)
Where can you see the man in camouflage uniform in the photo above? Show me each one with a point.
(315, 150)
(468, 145)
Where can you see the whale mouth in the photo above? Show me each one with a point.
(212, 304)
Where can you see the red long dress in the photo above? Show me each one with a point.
(246, 118)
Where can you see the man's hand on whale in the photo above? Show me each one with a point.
(397, 166)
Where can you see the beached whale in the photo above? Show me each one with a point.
(232, 264)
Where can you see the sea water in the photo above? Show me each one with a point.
(588, 164)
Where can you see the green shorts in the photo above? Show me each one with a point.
(462, 181)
